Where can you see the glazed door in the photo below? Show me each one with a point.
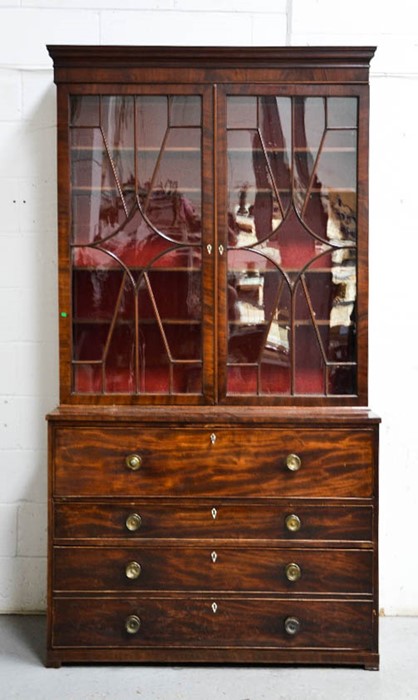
(140, 236)
(288, 223)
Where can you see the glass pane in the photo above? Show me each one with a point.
(119, 363)
(89, 341)
(187, 378)
(103, 192)
(242, 380)
(151, 121)
(309, 125)
(87, 379)
(337, 162)
(185, 110)
(117, 125)
(275, 122)
(246, 313)
(136, 222)
(318, 287)
(170, 196)
(184, 300)
(339, 341)
(103, 330)
(275, 376)
(343, 380)
(254, 207)
(242, 112)
(85, 110)
(276, 351)
(309, 122)
(292, 259)
(309, 365)
(184, 340)
(96, 293)
(342, 112)
(275, 128)
(258, 315)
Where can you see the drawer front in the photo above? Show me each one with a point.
(208, 622)
(200, 568)
(140, 520)
(234, 462)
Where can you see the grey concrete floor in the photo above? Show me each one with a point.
(24, 677)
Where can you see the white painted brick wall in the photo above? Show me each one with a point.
(28, 278)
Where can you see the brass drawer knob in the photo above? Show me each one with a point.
(293, 571)
(133, 462)
(133, 570)
(291, 626)
(293, 462)
(293, 522)
(132, 624)
(133, 522)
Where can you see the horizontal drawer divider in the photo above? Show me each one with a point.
(236, 543)
(208, 596)
(228, 543)
(206, 501)
(213, 594)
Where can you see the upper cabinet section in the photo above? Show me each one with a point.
(213, 225)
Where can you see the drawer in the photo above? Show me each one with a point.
(138, 520)
(233, 462)
(197, 568)
(201, 622)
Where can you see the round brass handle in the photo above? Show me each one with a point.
(133, 462)
(293, 522)
(132, 624)
(133, 522)
(293, 571)
(133, 570)
(293, 462)
(291, 625)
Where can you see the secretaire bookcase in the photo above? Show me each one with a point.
(213, 461)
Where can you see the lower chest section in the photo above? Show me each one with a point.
(213, 543)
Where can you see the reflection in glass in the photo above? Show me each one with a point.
(292, 232)
(252, 198)
(136, 244)
(169, 185)
(242, 112)
(185, 110)
(85, 110)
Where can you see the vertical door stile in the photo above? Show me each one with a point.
(215, 243)
(363, 241)
(220, 166)
(64, 237)
(208, 248)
